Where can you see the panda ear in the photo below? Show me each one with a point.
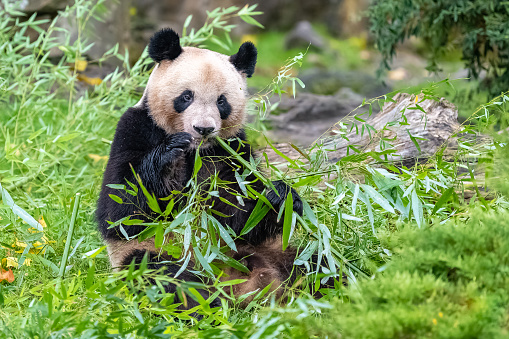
(164, 45)
(245, 59)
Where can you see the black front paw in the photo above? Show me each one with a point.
(283, 189)
(175, 145)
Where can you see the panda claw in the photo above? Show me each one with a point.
(178, 140)
(279, 200)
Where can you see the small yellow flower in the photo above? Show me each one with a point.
(97, 157)
(42, 222)
(10, 262)
(81, 65)
(440, 314)
(89, 80)
(434, 321)
(38, 247)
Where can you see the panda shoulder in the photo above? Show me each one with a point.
(136, 129)
(134, 118)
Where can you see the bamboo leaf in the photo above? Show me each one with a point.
(198, 255)
(355, 197)
(159, 238)
(197, 164)
(308, 212)
(307, 180)
(223, 233)
(278, 152)
(349, 217)
(378, 198)
(417, 208)
(116, 186)
(287, 222)
(443, 199)
(116, 198)
(339, 198)
(255, 217)
(7, 199)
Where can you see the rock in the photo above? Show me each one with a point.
(307, 117)
(113, 26)
(41, 6)
(302, 35)
(322, 81)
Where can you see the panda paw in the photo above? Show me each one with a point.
(283, 189)
(175, 145)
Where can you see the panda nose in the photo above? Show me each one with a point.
(204, 130)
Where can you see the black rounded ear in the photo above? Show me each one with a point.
(245, 59)
(164, 45)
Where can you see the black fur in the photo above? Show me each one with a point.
(164, 45)
(277, 200)
(183, 101)
(170, 269)
(140, 143)
(165, 163)
(224, 107)
(245, 59)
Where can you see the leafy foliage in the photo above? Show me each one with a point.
(446, 281)
(57, 131)
(478, 27)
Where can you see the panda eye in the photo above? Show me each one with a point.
(223, 106)
(183, 101)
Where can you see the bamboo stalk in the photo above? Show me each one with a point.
(69, 236)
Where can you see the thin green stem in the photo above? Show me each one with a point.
(69, 236)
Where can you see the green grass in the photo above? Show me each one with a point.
(56, 134)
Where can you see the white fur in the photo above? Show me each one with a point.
(208, 75)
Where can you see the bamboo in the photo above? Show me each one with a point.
(69, 236)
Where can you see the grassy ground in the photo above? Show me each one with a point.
(421, 261)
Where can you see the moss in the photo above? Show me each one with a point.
(446, 281)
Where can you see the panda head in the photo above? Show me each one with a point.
(196, 90)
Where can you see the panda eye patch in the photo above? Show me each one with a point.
(223, 106)
(183, 101)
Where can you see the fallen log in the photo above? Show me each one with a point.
(416, 130)
(406, 121)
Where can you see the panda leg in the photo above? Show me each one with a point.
(170, 269)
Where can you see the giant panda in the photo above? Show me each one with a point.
(193, 96)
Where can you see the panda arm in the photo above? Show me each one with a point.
(141, 146)
(268, 227)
